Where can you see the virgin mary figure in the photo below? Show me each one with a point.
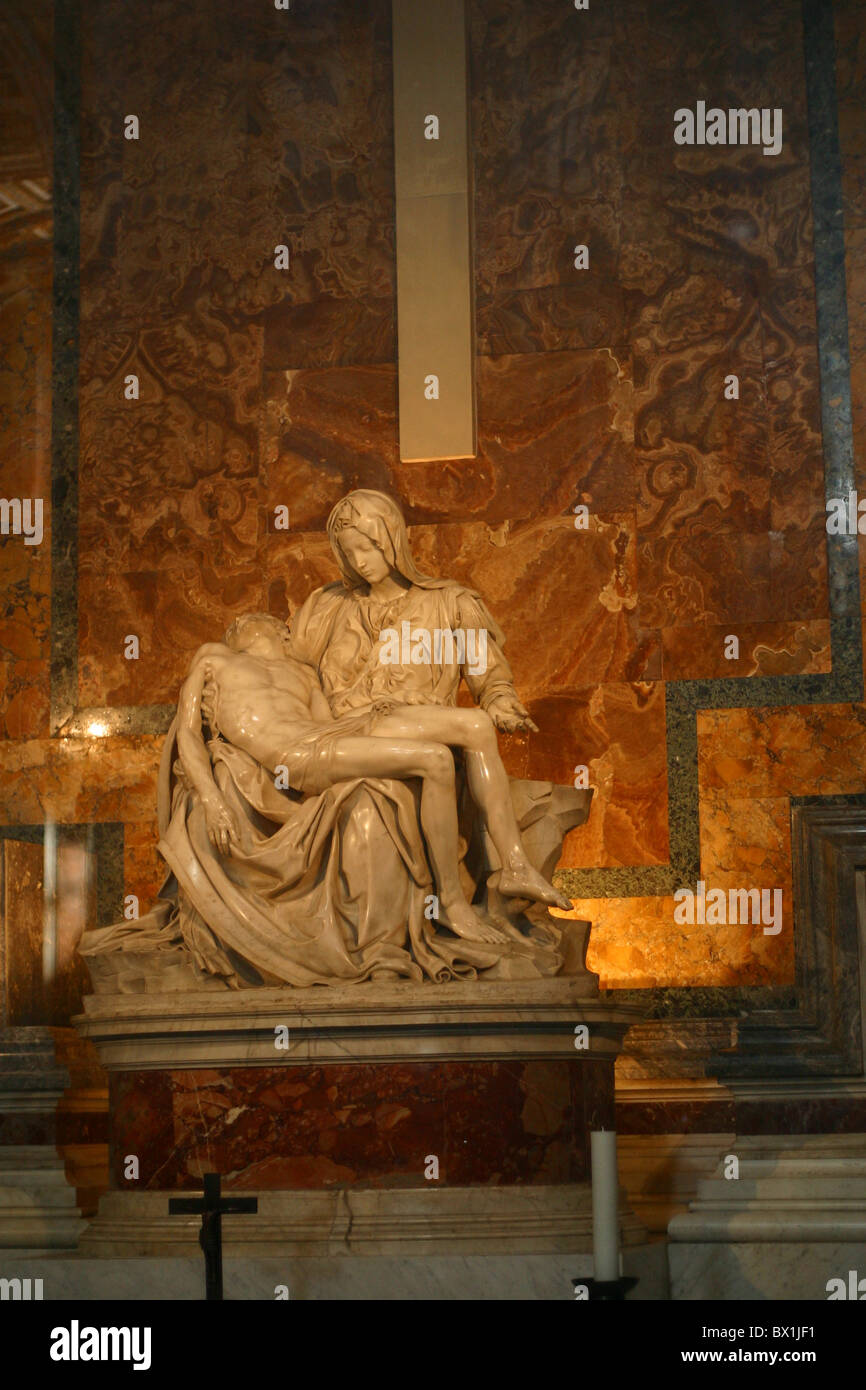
(339, 628)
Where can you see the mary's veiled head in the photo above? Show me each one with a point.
(377, 517)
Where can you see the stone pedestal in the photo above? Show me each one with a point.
(386, 1120)
(38, 1210)
(793, 1218)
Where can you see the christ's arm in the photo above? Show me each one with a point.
(221, 824)
(319, 707)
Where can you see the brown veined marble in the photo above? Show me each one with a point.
(692, 577)
(105, 91)
(564, 597)
(547, 172)
(554, 429)
(636, 944)
(24, 699)
(696, 651)
(682, 200)
(144, 870)
(793, 399)
(25, 472)
(850, 78)
(704, 579)
(257, 129)
(74, 780)
(553, 318)
(169, 503)
(330, 331)
(811, 750)
(616, 731)
(746, 843)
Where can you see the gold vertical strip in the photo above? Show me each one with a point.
(435, 309)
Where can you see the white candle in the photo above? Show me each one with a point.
(605, 1204)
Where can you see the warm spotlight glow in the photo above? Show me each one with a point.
(97, 728)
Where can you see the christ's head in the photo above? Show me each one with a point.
(258, 634)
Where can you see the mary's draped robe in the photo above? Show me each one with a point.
(338, 631)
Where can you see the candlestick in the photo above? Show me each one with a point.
(605, 1204)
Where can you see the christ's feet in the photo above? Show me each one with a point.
(460, 918)
(526, 882)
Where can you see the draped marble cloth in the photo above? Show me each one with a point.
(322, 890)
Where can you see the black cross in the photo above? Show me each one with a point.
(211, 1209)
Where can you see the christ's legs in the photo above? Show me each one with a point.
(474, 731)
(391, 756)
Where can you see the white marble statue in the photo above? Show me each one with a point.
(329, 813)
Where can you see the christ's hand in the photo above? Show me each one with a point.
(384, 706)
(222, 826)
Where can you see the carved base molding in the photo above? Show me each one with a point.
(38, 1210)
(794, 1217)
(360, 1023)
(420, 1221)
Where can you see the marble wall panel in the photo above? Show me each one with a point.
(105, 62)
(793, 403)
(553, 429)
(344, 1125)
(617, 731)
(544, 577)
(169, 500)
(815, 750)
(637, 944)
(77, 780)
(547, 168)
(144, 869)
(25, 441)
(696, 650)
(746, 843)
(320, 156)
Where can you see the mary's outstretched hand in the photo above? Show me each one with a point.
(509, 715)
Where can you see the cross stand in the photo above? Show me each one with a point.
(211, 1208)
(606, 1290)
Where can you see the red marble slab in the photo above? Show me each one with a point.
(360, 1125)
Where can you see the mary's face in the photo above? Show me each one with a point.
(364, 555)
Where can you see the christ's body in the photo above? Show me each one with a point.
(273, 707)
